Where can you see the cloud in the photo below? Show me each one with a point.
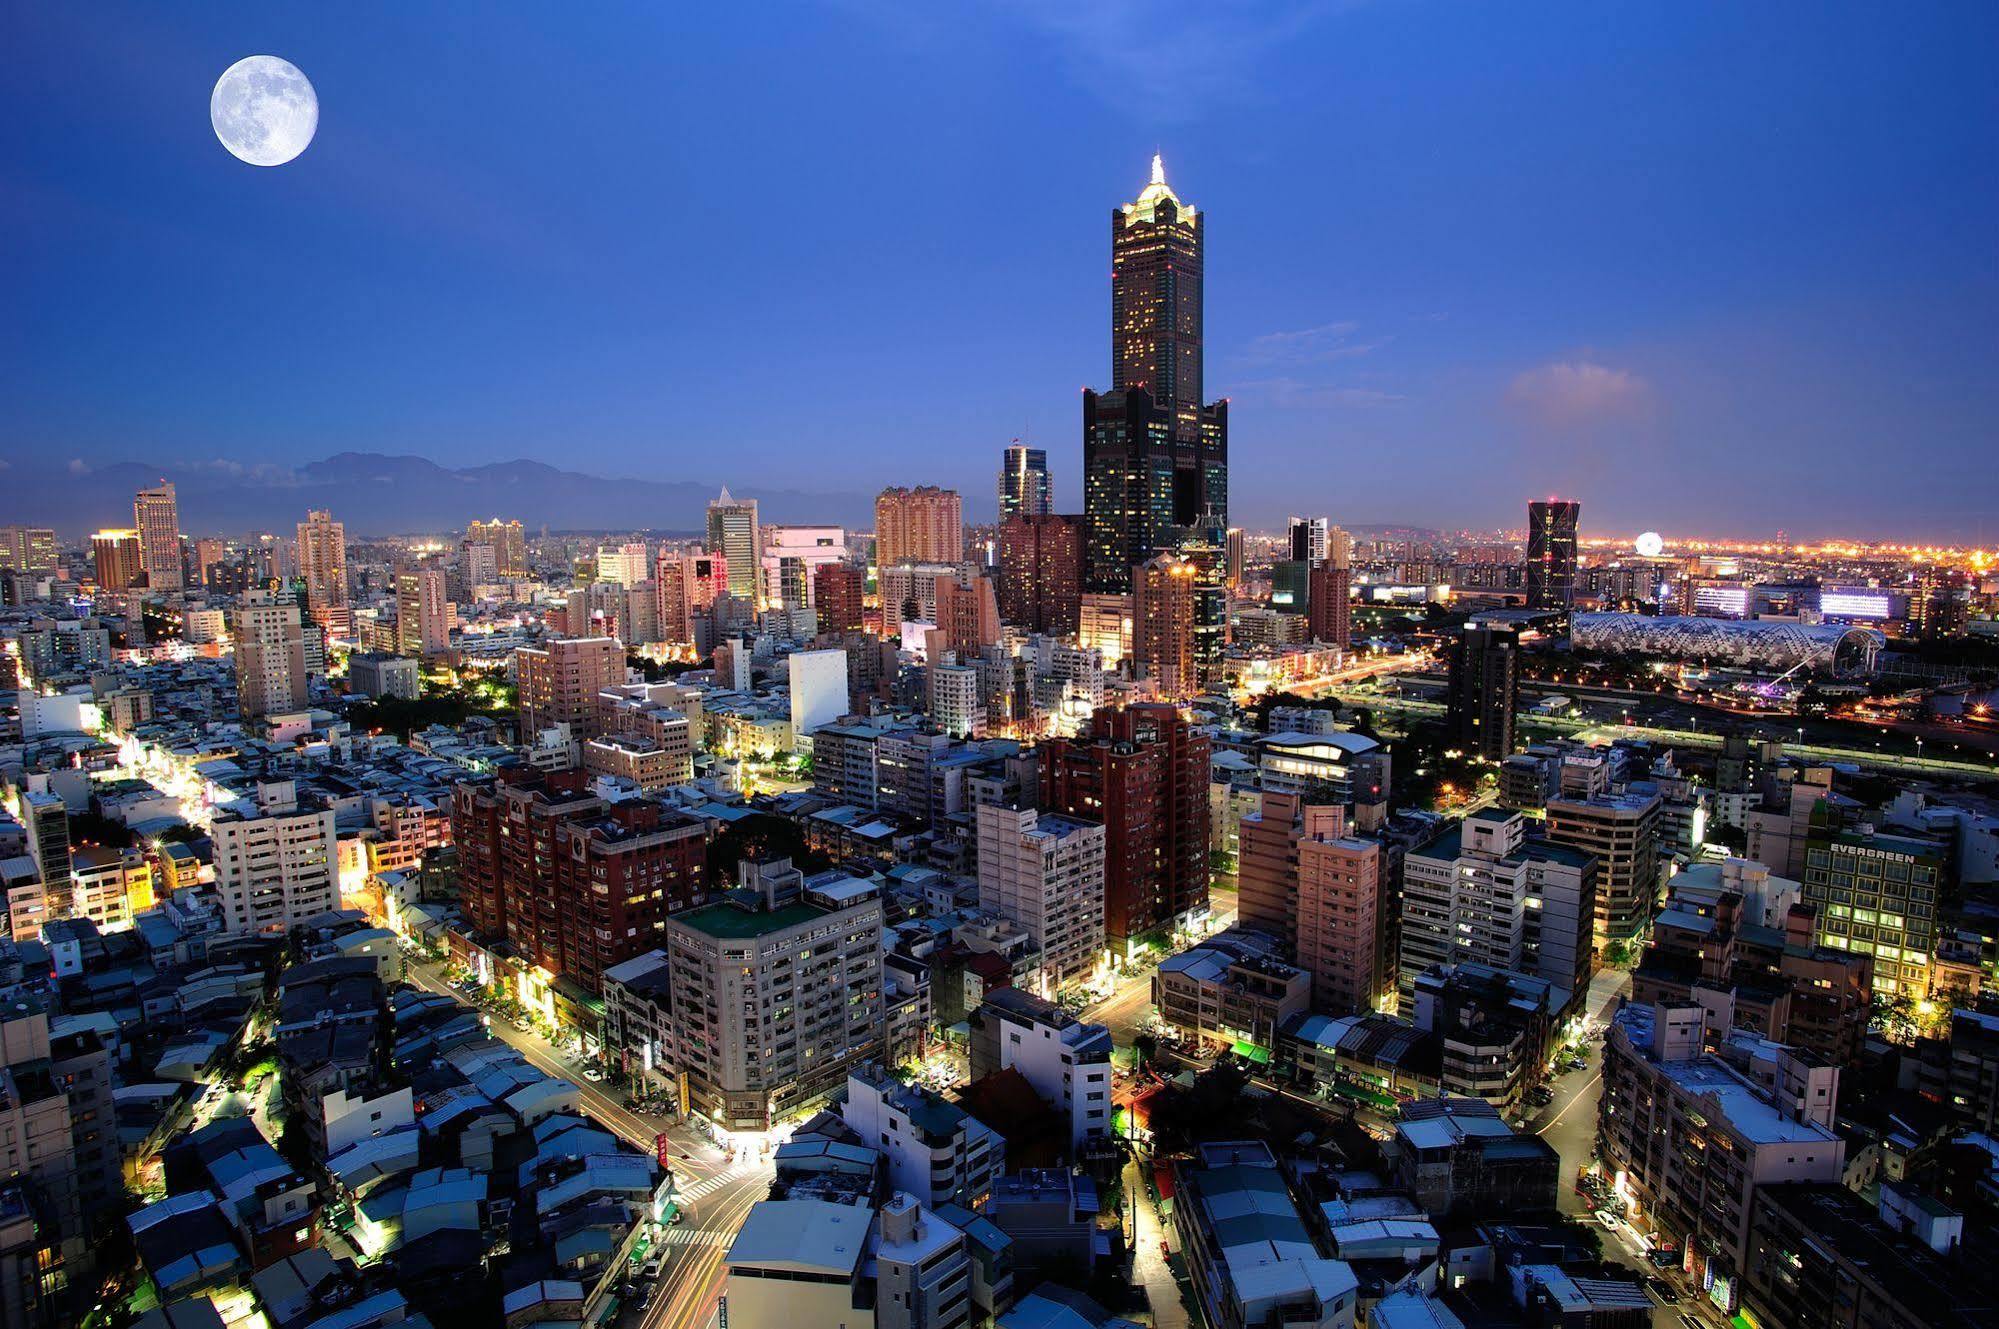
(77, 466)
(1328, 341)
(1577, 392)
(263, 473)
(1286, 392)
(1197, 51)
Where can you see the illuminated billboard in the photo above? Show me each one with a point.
(1732, 601)
(1855, 604)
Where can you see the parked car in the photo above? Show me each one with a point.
(1609, 1220)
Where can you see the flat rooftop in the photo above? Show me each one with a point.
(731, 922)
(804, 1236)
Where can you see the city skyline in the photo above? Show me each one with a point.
(1627, 352)
(593, 739)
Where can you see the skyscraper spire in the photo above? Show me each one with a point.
(1158, 169)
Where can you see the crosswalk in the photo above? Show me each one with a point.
(710, 1184)
(686, 1236)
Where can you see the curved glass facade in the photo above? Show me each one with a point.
(1825, 648)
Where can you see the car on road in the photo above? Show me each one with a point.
(1663, 1290)
(1540, 1095)
(593, 1075)
(1609, 1220)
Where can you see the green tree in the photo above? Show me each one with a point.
(760, 837)
(1146, 1046)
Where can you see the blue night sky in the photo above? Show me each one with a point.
(1713, 268)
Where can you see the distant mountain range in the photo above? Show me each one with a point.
(376, 494)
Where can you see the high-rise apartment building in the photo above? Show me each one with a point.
(48, 1183)
(1620, 831)
(322, 561)
(1162, 614)
(909, 591)
(1304, 880)
(558, 683)
(1940, 604)
(921, 525)
(1551, 553)
(1308, 539)
(27, 549)
(1104, 625)
(733, 533)
(685, 586)
(792, 555)
(1154, 457)
(1204, 548)
(1694, 1135)
(623, 565)
(838, 594)
(1024, 488)
(1041, 572)
(1045, 872)
(1485, 894)
(45, 818)
(777, 992)
(1143, 772)
(572, 883)
(1237, 544)
(1329, 599)
(116, 552)
(423, 613)
(967, 614)
(269, 641)
(1484, 689)
(508, 541)
(156, 516)
(276, 861)
(208, 552)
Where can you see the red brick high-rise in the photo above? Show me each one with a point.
(837, 591)
(1330, 590)
(1041, 573)
(968, 617)
(1304, 881)
(1331, 612)
(1162, 626)
(558, 683)
(572, 883)
(1143, 772)
(921, 525)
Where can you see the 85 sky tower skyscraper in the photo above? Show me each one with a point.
(1155, 458)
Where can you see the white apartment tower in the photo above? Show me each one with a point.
(276, 862)
(156, 515)
(1484, 894)
(322, 560)
(777, 992)
(1045, 872)
(270, 654)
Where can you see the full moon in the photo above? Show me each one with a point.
(264, 110)
(1649, 544)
